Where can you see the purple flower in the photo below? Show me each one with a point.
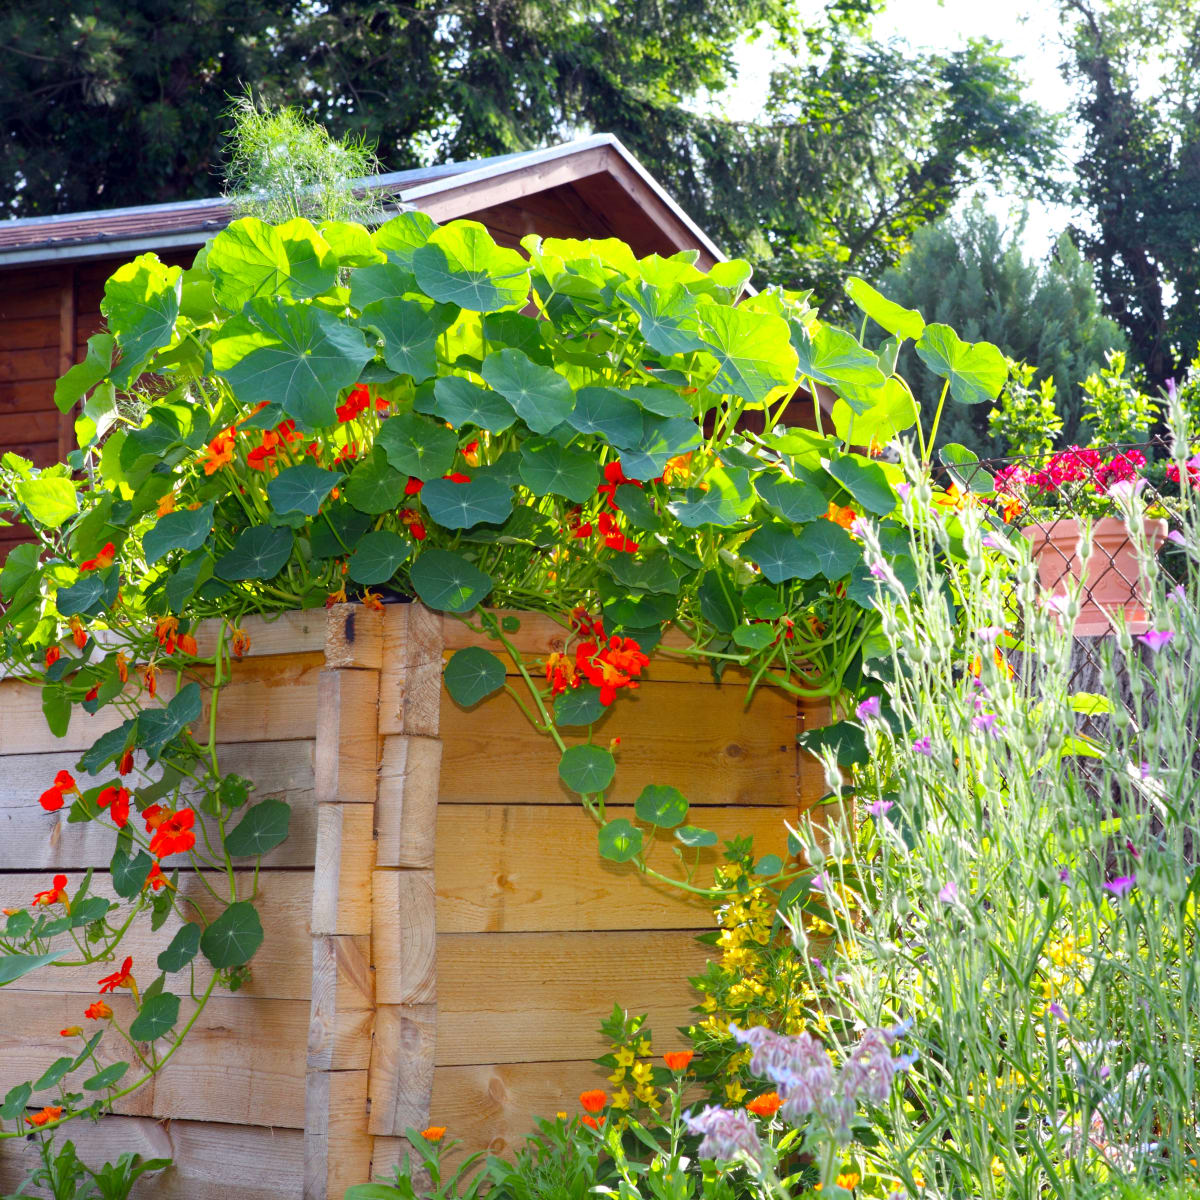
(868, 708)
(1137, 854)
(902, 490)
(990, 633)
(1121, 886)
(818, 882)
(816, 962)
(878, 569)
(992, 543)
(1057, 1010)
(1156, 639)
(923, 746)
(949, 892)
(1177, 537)
(879, 809)
(1065, 875)
(1146, 770)
(1126, 489)
(985, 722)
(726, 1134)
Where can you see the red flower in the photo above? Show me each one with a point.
(612, 666)
(97, 1011)
(263, 455)
(150, 676)
(92, 693)
(174, 834)
(470, 452)
(52, 656)
(240, 643)
(56, 895)
(560, 671)
(156, 880)
(613, 478)
(126, 763)
(50, 1113)
(120, 978)
(102, 560)
(413, 523)
(346, 453)
(592, 1122)
(287, 431)
(677, 1060)
(413, 486)
(187, 644)
(593, 1101)
(155, 815)
(118, 797)
(457, 477)
(78, 633)
(358, 400)
(52, 798)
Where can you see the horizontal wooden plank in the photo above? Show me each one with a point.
(241, 1063)
(299, 632)
(699, 738)
(42, 363)
(282, 968)
(209, 1161)
(28, 333)
(540, 997)
(536, 867)
(28, 427)
(27, 395)
(269, 699)
(38, 840)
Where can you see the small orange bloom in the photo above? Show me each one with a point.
(117, 800)
(173, 834)
(338, 597)
(766, 1105)
(220, 452)
(187, 644)
(156, 880)
(97, 1011)
(50, 1113)
(849, 1180)
(78, 632)
(123, 666)
(592, 1122)
(677, 1060)
(240, 644)
(372, 600)
(71, 1031)
(165, 629)
(52, 656)
(102, 560)
(119, 978)
(150, 677)
(845, 517)
(593, 1101)
(1010, 509)
(677, 468)
(56, 895)
(434, 1133)
(10, 912)
(126, 763)
(471, 453)
(166, 504)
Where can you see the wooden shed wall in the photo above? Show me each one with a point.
(442, 934)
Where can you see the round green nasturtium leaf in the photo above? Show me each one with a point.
(542, 397)
(301, 488)
(263, 828)
(260, 552)
(727, 498)
(753, 637)
(473, 674)
(891, 411)
(753, 349)
(613, 414)
(461, 264)
(587, 769)
(964, 468)
(107, 1078)
(448, 583)
(638, 510)
(183, 948)
(663, 438)
(83, 596)
(374, 486)
(793, 500)
(463, 505)
(378, 556)
(780, 554)
(835, 551)
(835, 357)
(51, 499)
(402, 236)
(246, 259)
(337, 530)
(461, 403)
(417, 446)
(550, 469)
(56, 1071)
(129, 874)
(667, 315)
(620, 841)
(187, 529)
(141, 304)
(579, 707)
(351, 243)
(409, 335)
(865, 481)
(660, 805)
(312, 265)
(906, 322)
(157, 1017)
(232, 939)
(769, 864)
(695, 837)
(976, 371)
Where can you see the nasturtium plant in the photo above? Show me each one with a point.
(310, 416)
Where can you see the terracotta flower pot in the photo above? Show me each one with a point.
(1112, 584)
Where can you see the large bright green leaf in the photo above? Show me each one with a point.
(448, 583)
(727, 498)
(85, 375)
(550, 469)
(796, 500)
(976, 370)
(835, 551)
(780, 554)
(381, 281)
(409, 336)
(587, 769)
(186, 529)
(294, 355)
(482, 500)
(51, 499)
(301, 488)
(753, 349)
(403, 235)
(473, 674)
(378, 556)
(312, 264)
(461, 402)
(906, 322)
(141, 304)
(417, 446)
(461, 264)
(666, 315)
(259, 553)
(351, 243)
(232, 939)
(833, 356)
(247, 259)
(891, 411)
(542, 397)
(865, 481)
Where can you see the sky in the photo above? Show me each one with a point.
(1025, 29)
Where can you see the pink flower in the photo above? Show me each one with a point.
(923, 746)
(1121, 886)
(879, 809)
(1156, 639)
(949, 892)
(868, 708)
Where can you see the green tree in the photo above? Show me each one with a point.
(1134, 64)
(969, 273)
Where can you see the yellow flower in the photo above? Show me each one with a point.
(734, 1092)
(625, 1056)
(562, 1116)
(643, 1047)
(617, 1075)
(849, 1180)
(642, 1072)
(621, 1098)
(647, 1095)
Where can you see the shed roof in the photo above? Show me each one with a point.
(450, 190)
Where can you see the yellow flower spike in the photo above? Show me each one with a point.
(734, 1091)
(617, 1075)
(643, 1047)
(642, 1072)
(625, 1056)
(621, 1098)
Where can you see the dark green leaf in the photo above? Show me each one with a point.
(15, 1101)
(666, 315)
(795, 500)
(691, 835)
(550, 469)
(409, 336)
(418, 446)
(660, 805)
(374, 486)
(158, 726)
(461, 402)
(156, 1018)
(727, 498)
(301, 488)
(845, 738)
(835, 551)
(620, 841)
(111, 1075)
(14, 966)
(378, 556)
(129, 874)
(83, 596)
(263, 828)
(473, 674)
(260, 552)
(54, 1073)
(463, 505)
(186, 529)
(613, 414)
(579, 707)
(448, 583)
(542, 397)
(754, 637)
(380, 281)
(865, 481)
(232, 939)
(587, 769)
(780, 554)
(182, 949)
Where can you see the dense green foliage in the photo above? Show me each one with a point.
(971, 274)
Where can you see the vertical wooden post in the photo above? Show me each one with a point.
(66, 356)
(337, 1145)
(405, 930)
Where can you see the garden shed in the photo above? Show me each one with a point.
(52, 269)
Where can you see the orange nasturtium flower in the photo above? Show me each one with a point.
(102, 560)
(71, 1031)
(126, 763)
(845, 517)
(240, 643)
(156, 880)
(150, 677)
(52, 798)
(50, 1113)
(434, 1133)
(338, 597)
(849, 1180)
(56, 895)
(677, 468)
(118, 798)
(165, 629)
(677, 1060)
(122, 977)
(166, 504)
(78, 632)
(123, 666)
(173, 834)
(52, 656)
(766, 1105)
(593, 1101)
(97, 1011)
(219, 452)
(372, 600)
